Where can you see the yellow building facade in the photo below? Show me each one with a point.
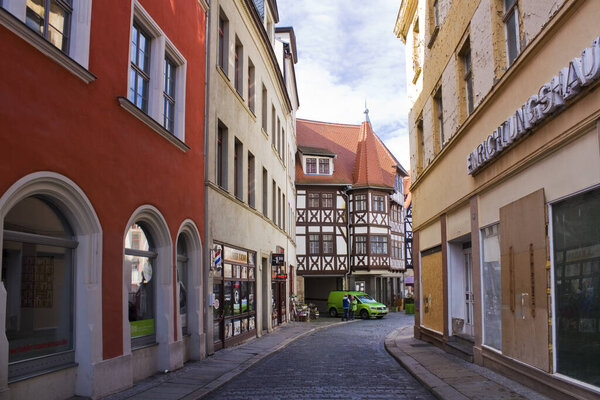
(505, 164)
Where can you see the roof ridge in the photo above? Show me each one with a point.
(327, 123)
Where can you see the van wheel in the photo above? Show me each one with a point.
(332, 312)
(364, 314)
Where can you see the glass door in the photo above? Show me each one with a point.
(468, 292)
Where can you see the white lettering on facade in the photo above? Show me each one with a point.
(582, 71)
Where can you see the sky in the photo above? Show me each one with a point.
(348, 53)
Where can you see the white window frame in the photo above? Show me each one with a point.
(79, 36)
(160, 46)
(305, 169)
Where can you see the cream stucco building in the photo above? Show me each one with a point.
(250, 170)
(505, 165)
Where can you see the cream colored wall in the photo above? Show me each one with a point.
(430, 236)
(574, 168)
(230, 220)
(447, 182)
(458, 222)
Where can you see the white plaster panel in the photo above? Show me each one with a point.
(360, 230)
(575, 167)
(482, 56)
(301, 245)
(301, 201)
(300, 230)
(379, 230)
(327, 228)
(341, 246)
(314, 229)
(301, 192)
(341, 202)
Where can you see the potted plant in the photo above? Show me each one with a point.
(409, 305)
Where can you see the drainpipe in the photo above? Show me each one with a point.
(207, 249)
(349, 247)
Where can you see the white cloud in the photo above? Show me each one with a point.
(347, 53)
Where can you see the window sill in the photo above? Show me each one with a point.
(150, 122)
(433, 36)
(45, 47)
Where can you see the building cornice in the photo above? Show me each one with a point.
(405, 18)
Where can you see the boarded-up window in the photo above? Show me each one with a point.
(432, 290)
(524, 281)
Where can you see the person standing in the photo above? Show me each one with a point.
(346, 306)
(353, 306)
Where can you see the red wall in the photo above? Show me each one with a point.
(50, 120)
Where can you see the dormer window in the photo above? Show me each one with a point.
(311, 165)
(324, 166)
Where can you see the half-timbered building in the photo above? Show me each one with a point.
(350, 212)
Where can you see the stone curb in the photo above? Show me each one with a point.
(435, 385)
(225, 378)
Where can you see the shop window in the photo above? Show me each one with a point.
(38, 274)
(378, 204)
(182, 281)
(327, 199)
(327, 244)
(576, 240)
(379, 245)
(360, 202)
(234, 315)
(511, 27)
(313, 244)
(141, 299)
(492, 285)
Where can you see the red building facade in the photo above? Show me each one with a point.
(101, 193)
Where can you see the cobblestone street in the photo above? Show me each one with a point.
(342, 362)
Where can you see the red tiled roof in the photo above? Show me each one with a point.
(362, 158)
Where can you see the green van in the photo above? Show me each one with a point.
(367, 307)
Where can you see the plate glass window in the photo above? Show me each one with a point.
(51, 19)
(169, 95)
(492, 287)
(38, 274)
(576, 238)
(139, 72)
(140, 259)
(182, 281)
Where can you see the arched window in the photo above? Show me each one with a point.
(140, 260)
(38, 274)
(182, 281)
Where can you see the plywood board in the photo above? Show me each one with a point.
(524, 281)
(432, 292)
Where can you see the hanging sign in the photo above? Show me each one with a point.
(277, 259)
(550, 99)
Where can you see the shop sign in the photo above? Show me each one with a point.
(277, 259)
(280, 276)
(550, 99)
(236, 256)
